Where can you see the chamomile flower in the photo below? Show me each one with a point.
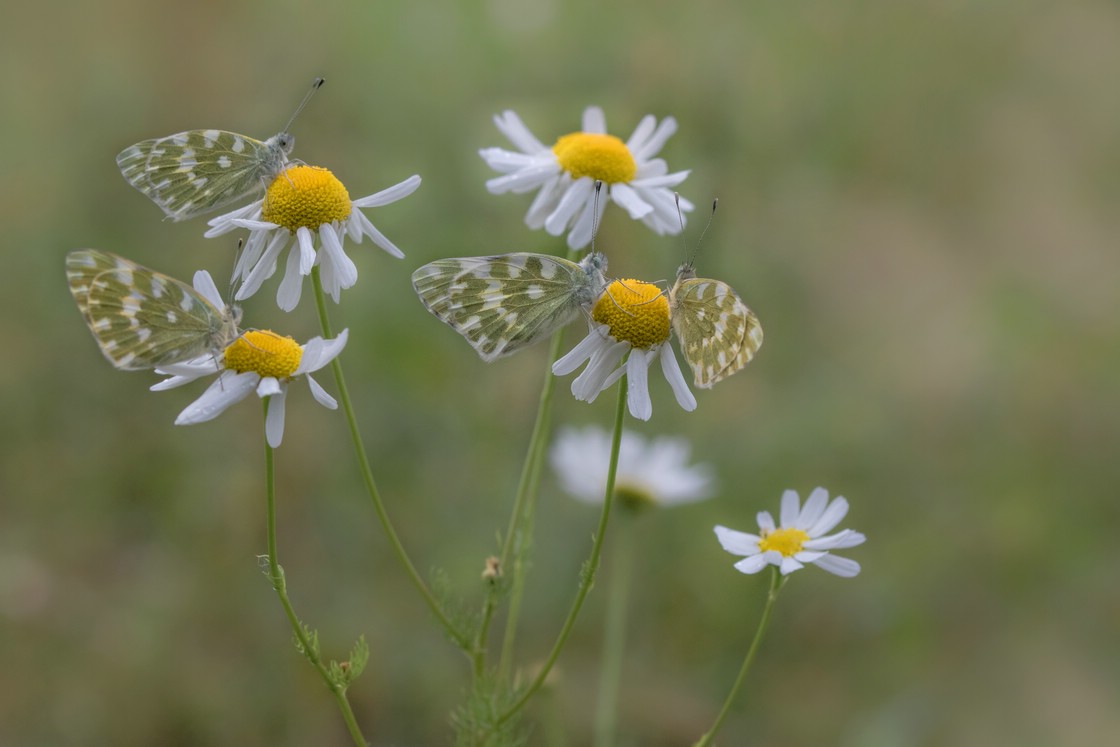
(629, 327)
(650, 472)
(260, 361)
(565, 175)
(302, 204)
(800, 538)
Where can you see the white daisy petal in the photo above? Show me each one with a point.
(673, 374)
(751, 564)
(814, 507)
(274, 421)
(832, 516)
(737, 543)
(227, 389)
(320, 394)
(842, 567)
(386, 196)
(510, 125)
(637, 391)
(205, 286)
(291, 287)
(791, 508)
(594, 120)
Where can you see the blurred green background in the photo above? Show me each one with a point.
(918, 199)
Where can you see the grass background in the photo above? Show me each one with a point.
(918, 199)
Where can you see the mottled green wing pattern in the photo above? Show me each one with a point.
(504, 303)
(194, 172)
(718, 333)
(141, 318)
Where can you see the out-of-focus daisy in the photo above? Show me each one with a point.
(628, 328)
(649, 473)
(565, 175)
(799, 539)
(304, 203)
(260, 361)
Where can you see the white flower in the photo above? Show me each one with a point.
(565, 175)
(649, 472)
(798, 540)
(303, 203)
(260, 361)
(628, 328)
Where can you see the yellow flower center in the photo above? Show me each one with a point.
(633, 496)
(305, 197)
(264, 352)
(786, 541)
(602, 157)
(636, 312)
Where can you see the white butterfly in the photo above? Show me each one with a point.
(196, 171)
(719, 335)
(506, 302)
(144, 319)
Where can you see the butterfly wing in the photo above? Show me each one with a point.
(719, 335)
(141, 318)
(197, 171)
(504, 303)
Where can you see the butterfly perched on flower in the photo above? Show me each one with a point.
(719, 335)
(144, 319)
(193, 172)
(506, 302)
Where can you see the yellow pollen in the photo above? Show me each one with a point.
(636, 312)
(264, 352)
(786, 541)
(602, 157)
(305, 197)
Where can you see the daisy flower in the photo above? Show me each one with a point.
(304, 203)
(628, 328)
(649, 473)
(799, 539)
(260, 361)
(565, 175)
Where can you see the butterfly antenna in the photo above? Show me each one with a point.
(691, 256)
(315, 86)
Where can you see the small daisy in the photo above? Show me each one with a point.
(649, 473)
(628, 328)
(300, 204)
(566, 174)
(262, 361)
(798, 540)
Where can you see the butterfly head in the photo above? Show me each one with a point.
(285, 142)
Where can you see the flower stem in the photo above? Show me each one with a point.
(307, 644)
(459, 638)
(776, 583)
(588, 577)
(518, 538)
(614, 634)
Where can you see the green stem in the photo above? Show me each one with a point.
(614, 634)
(776, 583)
(519, 534)
(371, 486)
(588, 576)
(307, 645)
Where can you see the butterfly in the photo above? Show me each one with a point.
(194, 172)
(506, 302)
(718, 333)
(143, 319)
